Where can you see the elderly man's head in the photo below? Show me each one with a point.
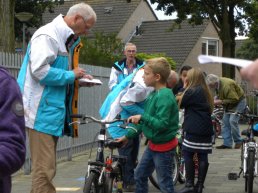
(80, 18)
(212, 80)
(172, 79)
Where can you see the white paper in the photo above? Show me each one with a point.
(204, 59)
(95, 81)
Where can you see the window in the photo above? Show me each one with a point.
(210, 47)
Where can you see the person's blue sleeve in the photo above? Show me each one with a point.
(134, 109)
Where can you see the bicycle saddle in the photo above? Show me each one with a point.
(246, 132)
(112, 144)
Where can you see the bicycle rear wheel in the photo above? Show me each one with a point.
(250, 170)
(175, 172)
(112, 180)
(109, 184)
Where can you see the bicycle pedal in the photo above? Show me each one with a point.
(232, 176)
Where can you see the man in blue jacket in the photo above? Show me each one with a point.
(48, 81)
(12, 130)
(123, 68)
(126, 99)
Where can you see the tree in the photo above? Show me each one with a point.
(7, 25)
(226, 15)
(248, 50)
(144, 56)
(37, 8)
(102, 50)
(252, 16)
(11, 27)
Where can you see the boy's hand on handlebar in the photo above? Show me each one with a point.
(134, 119)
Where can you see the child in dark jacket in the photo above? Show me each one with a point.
(159, 124)
(12, 130)
(198, 104)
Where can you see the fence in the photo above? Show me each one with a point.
(90, 100)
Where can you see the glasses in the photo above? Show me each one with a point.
(87, 27)
(130, 51)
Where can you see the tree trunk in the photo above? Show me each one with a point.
(7, 39)
(227, 41)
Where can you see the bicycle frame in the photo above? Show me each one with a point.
(98, 165)
(249, 161)
(102, 172)
(250, 146)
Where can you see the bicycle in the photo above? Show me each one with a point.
(102, 174)
(217, 116)
(248, 155)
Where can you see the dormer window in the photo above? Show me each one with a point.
(108, 10)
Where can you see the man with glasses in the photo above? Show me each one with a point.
(121, 69)
(48, 83)
(130, 103)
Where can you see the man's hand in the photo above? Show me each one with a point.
(217, 102)
(79, 72)
(250, 73)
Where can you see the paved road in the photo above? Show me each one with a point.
(70, 175)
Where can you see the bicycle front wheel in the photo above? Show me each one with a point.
(182, 172)
(91, 184)
(250, 170)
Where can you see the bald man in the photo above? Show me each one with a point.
(172, 79)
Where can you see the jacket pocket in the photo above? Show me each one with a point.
(53, 114)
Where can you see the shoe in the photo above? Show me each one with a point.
(223, 147)
(129, 188)
(238, 145)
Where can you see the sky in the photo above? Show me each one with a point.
(160, 14)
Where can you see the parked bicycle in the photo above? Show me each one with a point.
(105, 175)
(217, 116)
(248, 155)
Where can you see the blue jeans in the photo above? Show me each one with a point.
(130, 150)
(230, 128)
(162, 163)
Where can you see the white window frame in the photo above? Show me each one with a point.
(206, 40)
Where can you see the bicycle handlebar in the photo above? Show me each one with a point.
(85, 117)
(247, 115)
